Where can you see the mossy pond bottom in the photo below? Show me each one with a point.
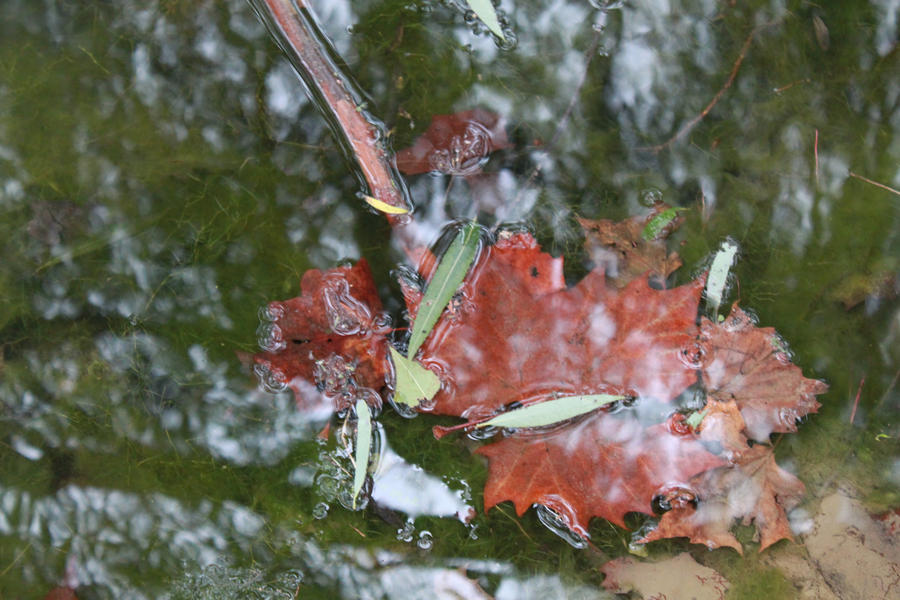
(164, 176)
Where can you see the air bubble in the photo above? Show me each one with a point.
(320, 510)
(482, 433)
(272, 381)
(650, 197)
(271, 312)
(405, 533)
(426, 540)
(346, 315)
(269, 337)
(404, 410)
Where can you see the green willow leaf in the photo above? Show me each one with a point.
(484, 10)
(414, 383)
(718, 274)
(363, 444)
(446, 280)
(551, 411)
(655, 226)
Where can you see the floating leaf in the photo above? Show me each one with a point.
(659, 221)
(449, 274)
(363, 444)
(718, 274)
(384, 207)
(484, 9)
(414, 383)
(551, 411)
(695, 418)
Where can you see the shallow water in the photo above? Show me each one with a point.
(163, 176)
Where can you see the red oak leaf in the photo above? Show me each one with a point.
(754, 489)
(329, 344)
(518, 333)
(619, 249)
(603, 466)
(748, 364)
(456, 144)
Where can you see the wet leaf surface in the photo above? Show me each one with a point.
(328, 343)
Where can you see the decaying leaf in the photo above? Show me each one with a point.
(456, 144)
(748, 364)
(328, 343)
(620, 250)
(603, 466)
(679, 577)
(753, 489)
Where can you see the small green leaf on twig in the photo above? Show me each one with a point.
(659, 221)
(551, 412)
(381, 205)
(363, 444)
(718, 274)
(446, 280)
(484, 10)
(414, 383)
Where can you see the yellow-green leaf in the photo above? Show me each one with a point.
(384, 207)
(415, 383)
(363, 444)
(484, 10)
(551, 412)
(449, 274)
(659, 221)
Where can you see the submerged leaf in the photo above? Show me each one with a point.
(484, 9)
(551, 412)
(443, 285)
(363, 445)
(415, 383)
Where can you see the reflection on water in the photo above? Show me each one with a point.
(162, 175)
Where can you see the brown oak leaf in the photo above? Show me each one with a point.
(328, 344)
(603, 466)
(753, 489)
(517, 333)
(619, 249)
(747, 364)
(455, 144)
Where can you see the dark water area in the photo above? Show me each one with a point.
(163, 176)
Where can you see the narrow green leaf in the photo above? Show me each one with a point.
(363, 444)
(551, 411)
(718, 274)
(695, 418)
(447, 277)
(414, 383)
(484, 10)
(655, 226)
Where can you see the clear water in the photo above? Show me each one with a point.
(163, 176)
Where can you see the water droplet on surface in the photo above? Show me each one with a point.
(346, 314)
(273, 382)
(552, 521)
(482, 433)
(404, 410)
(405, 533)
(320, 510)
(269, 337)
(426, 540)
(651, 196)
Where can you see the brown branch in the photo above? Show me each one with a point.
(702, 115)
(293, 25)
(875, 183)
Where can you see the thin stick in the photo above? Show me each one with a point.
(875, 183)
(816, 156)
(293, 25)
(856, 402)
(563, 121)
(693, 122)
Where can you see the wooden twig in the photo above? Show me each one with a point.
(875, 183)
(856, 402)
(816, 156)
(293, 25)
(702, 114)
